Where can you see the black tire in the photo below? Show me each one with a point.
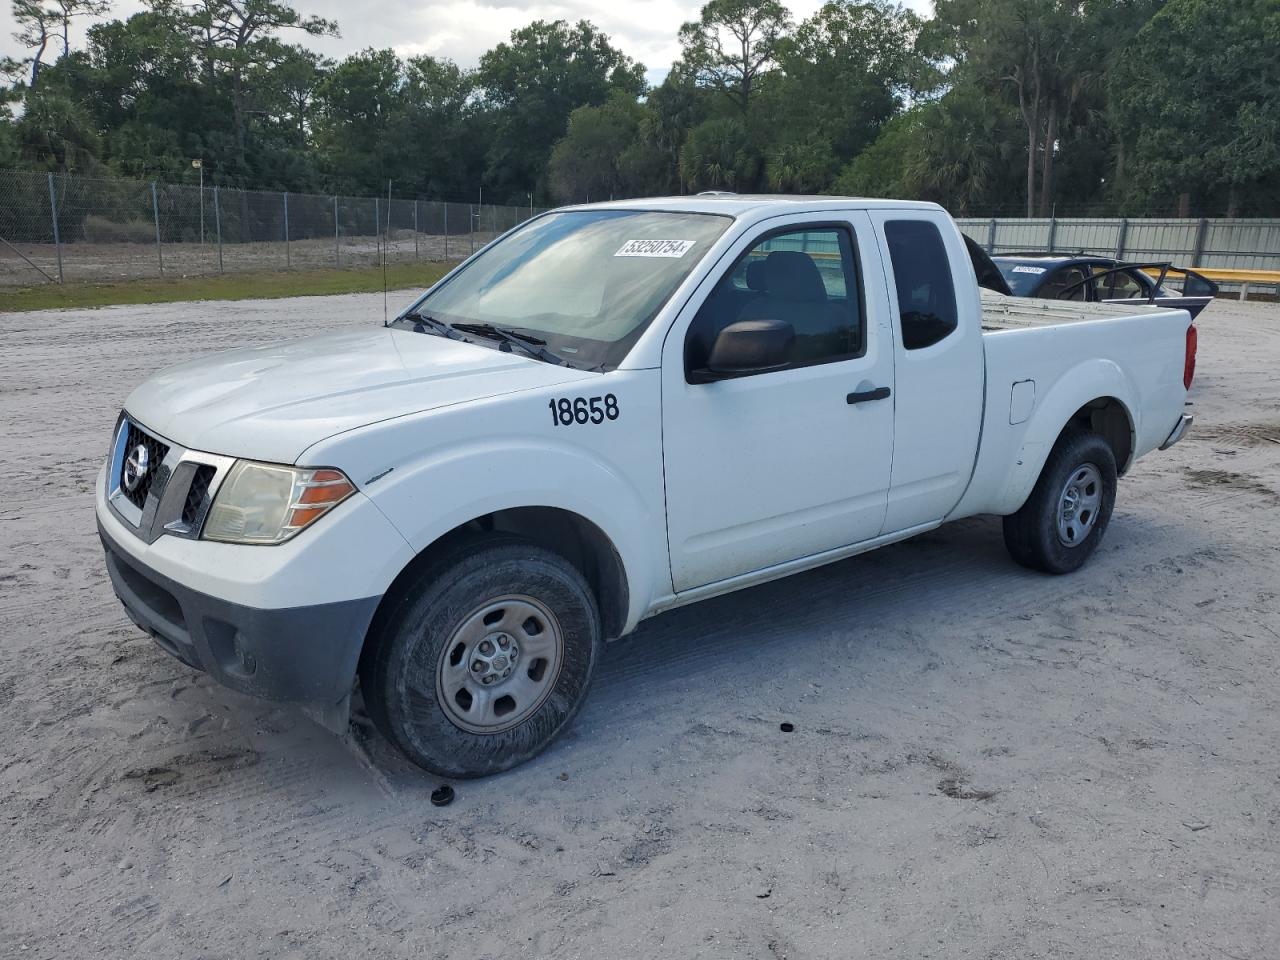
(404, 661)
(1032, 534)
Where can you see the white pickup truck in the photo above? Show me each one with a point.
(610, 411)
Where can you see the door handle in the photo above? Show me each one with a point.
(865, 396)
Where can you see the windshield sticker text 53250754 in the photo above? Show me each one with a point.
(583, 410)
(655, 248)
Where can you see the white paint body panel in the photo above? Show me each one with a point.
(701, 489)
(766, 469)
(938, 406)
(273, 401)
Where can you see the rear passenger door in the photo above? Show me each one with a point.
(939, 369)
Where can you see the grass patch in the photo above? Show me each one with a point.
(235, 286)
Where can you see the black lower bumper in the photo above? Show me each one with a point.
(304, 655)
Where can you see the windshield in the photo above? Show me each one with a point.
(1023, 278)
(587, 282)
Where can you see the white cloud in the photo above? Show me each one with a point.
(464, 29)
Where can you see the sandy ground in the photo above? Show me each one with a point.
(986, 762)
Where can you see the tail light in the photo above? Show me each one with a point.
(1189, 362)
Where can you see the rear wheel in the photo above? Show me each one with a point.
(1066, 516)
(483, 658)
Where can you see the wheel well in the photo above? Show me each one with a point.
(1109, 418)
(573, 537)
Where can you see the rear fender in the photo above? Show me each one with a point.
(1094, 379)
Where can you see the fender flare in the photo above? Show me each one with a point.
(559, 476)
(1089, 381)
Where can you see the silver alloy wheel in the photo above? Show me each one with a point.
(500, 664)
(1078, 505)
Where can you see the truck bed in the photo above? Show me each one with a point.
(1019, 313)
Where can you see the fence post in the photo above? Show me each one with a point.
(991, 236)
(1053, 226)
(377, 229)
(415, 231)
(446, 231)
(471, 226)
(217, 225)
(288, 260)
(155, 211)
(1124, 235)
(1201, 230)
(57, 237)
(337, 247)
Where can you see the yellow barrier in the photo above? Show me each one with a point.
(1232, 275)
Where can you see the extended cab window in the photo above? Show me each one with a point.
(922, 273)
(805, 278)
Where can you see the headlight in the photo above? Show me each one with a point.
(267, 503)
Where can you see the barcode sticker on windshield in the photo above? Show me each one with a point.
(1035, 270)
(655, 248)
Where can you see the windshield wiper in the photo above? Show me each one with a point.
(534, 346)
(422, 323)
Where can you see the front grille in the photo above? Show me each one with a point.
(196, 493)
(156, 452)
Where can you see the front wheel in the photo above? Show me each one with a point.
(483, 659)
(1065, 517)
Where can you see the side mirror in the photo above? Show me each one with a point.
(748, 346)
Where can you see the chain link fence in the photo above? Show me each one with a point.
(60, 228)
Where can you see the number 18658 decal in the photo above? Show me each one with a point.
(582, 410)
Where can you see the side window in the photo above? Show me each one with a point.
(1129, 287)
(1119, 286)
(922, 274)
(1065, 284)
(805, 278)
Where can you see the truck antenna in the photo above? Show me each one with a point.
(385, 241)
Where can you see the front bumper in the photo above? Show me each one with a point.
(305, 654)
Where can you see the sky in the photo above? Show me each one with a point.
(461, 30)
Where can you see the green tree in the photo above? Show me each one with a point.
(733, 43)
(592, 159)
(443, 128)
(956, 151)
(800, 166)
(848, 69)
(239, 36)
(141, 80)
(36, 22)
(68, 10)
(363, 104)
(57, 133)
(1040, 51)
(531, 85)
(675, 107)
(1200, 93)
(719, 154)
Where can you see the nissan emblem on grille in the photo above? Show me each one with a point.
(135, 468)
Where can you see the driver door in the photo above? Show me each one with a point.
(786, 463)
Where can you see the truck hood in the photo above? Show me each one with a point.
(274, 401)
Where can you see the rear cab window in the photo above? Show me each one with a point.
(922, 275)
